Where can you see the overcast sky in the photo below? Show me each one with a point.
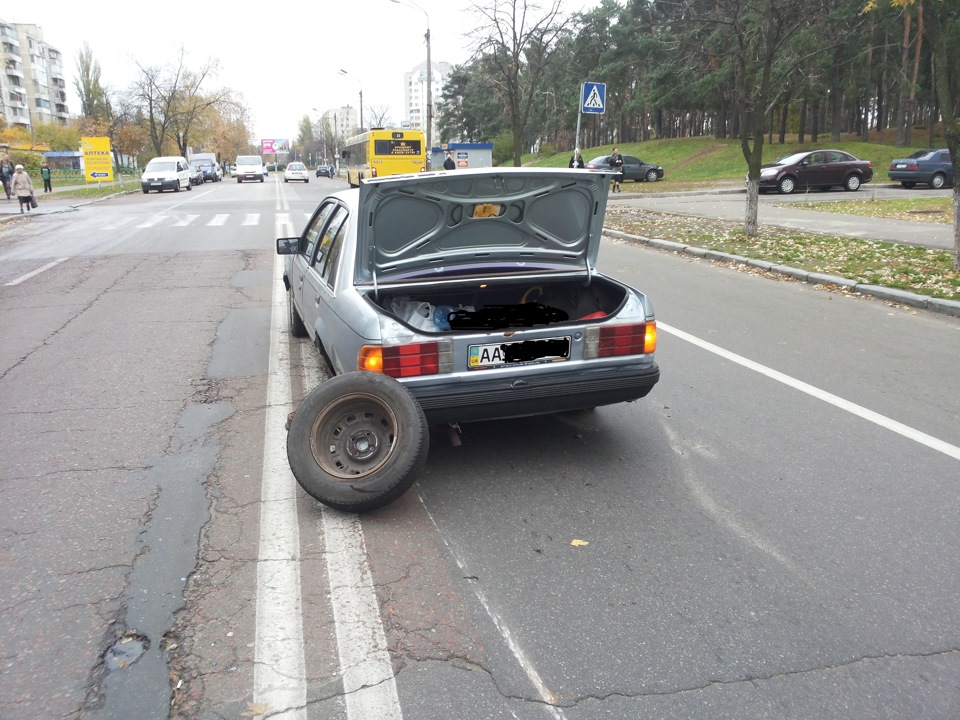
(284, 62)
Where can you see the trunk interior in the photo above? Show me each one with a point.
(532, 303)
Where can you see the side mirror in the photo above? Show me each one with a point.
(288, 246)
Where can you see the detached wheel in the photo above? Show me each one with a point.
(938, 181)
(787, 185)
(852, 183)
(358, 441)
(651, 175)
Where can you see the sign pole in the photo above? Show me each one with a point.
(579, 115)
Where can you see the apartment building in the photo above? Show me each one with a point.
(33, 87)
(415, 94)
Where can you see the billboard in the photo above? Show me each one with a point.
(97, 159)
(280, 146)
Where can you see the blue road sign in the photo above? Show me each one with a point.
(99, 174)
(593, 98)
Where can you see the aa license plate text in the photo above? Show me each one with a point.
(523, 351)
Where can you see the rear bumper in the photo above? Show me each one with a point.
(492, 398)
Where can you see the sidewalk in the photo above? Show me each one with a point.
(57, 201)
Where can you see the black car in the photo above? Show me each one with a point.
(325, 171)
(633, 168)
(196, 175)
(822, 169)
(929, 167)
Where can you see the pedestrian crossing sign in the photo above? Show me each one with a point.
(593, 98)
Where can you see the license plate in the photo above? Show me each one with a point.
(900, 166)
(155, 184)
(519, 353)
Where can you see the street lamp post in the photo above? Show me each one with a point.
(429, 77)
(346, 74)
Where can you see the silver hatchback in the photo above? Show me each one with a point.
(441, 298)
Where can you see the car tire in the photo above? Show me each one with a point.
(787, 185)
(145, 191)
(239, 181)
(295, 324)
(177, 187)
(189, 187)
(651, 175)
(357, 441)
(852, 183)
(938, 181)
(285, 180)
(907, 184)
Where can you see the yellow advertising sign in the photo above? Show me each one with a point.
(97, 159)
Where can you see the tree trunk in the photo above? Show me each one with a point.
(803, 121)
(784, 112)
(836, 100)
(911, 104)
(904, 60)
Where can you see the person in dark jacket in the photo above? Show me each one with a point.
(615, 161)
(577, 160)
(45, 174)
(448, 163)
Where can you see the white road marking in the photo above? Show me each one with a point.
(150, 222)
(183, 222)
(279, 667)
(217, 220)
(251, 219)
(369, 685)
(858, 410)
(36, 272)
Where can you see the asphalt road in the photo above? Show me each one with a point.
(771, 533)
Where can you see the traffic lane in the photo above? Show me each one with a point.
(732, 207)
(101, 420)
(899, 362)
(738, 533)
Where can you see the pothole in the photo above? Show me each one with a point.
(126, 650)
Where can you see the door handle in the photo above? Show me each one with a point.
(316, 298)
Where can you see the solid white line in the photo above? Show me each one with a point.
(36, 272)
(862, 412)
(370, 687)
(279, 667)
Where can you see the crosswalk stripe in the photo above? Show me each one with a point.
(251, 219)
(150, 222)
(217, 220)
(186, 221)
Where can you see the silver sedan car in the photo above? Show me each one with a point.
(452, 297)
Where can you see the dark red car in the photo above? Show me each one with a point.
(820, 169)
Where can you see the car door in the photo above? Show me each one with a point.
(815, 172)
(318, 293)
(632, 168)
(302, 262)
(946, 165)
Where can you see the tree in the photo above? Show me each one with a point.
(516, 37)
(92, 94)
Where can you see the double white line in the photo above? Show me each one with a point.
(280, 683)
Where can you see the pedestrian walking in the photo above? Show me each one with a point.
(22, 187)
(6, 174)
(615, 161)
(449, 163)
(577, 160)
(46, 174)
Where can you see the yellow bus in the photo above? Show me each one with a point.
(380, 152)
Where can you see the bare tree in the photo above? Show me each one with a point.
(517, 38)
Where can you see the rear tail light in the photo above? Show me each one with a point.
(373, 172)
(410, 360)
(614, 340)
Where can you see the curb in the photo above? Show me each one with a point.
(902, 297)
(67, 207)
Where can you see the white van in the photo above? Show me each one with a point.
(249, 167)
(167, 172)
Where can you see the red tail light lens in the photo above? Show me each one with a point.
(411, 360)
(627, 339)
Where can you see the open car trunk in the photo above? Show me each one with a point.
(516, 304)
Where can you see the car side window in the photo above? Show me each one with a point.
(815, 159)
(630, 160)
(326, 241)
(312, 233)
(329, 271)
(945, 157)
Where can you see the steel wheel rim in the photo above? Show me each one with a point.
(354, 436)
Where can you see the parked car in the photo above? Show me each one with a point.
(296, 171)
(167, 172)
(821, 169)
(196, 174)
(249, 167)
(930, 167)
(633, 168)
(325, 171)
(449, 303)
